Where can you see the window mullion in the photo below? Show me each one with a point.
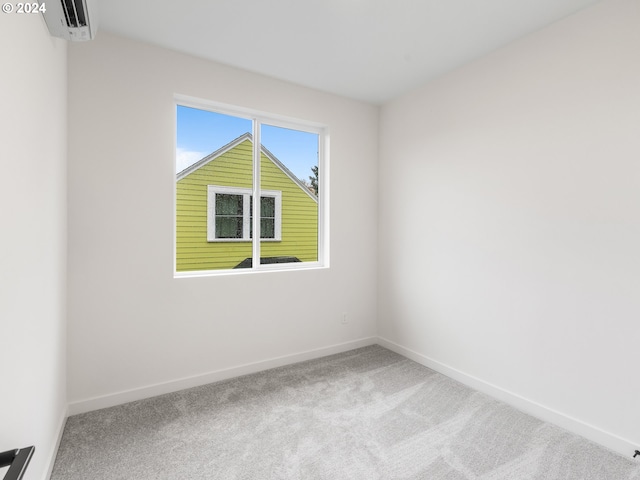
(256, 193)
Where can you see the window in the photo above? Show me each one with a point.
(230, 214)
(231, 163)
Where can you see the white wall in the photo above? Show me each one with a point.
(131, 324)
(510, 222)
(33, 134)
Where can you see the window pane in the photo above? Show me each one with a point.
(214, 151)
(228, 227)
(267, 227)
(229, 219)
(289, 164)
(267, 217)
(267, 207)
(228, 204)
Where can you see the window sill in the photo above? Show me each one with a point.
(279, 267)
(242, 240)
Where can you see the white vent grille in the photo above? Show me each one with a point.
(75, 13)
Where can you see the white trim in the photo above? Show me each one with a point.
(111, 400)
(274, 119)
(323, 198)
(246, 193)
(623, 446)
(175, 188)
(257, 213)
(263, 268)
(51, 459)
(605, 439)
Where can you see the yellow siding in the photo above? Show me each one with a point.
(234, 169)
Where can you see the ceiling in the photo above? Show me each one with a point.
(370, 50)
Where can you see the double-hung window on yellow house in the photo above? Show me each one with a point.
(231, 163)
(230, 215)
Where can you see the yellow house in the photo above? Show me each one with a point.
(214, 211)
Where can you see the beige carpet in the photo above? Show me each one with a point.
(365, 414)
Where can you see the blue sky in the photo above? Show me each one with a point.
(201, 132)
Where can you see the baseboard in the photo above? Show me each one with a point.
(54, 451)
(149, 391)
(608, 440)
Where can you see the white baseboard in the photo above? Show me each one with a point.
(119, 398)
(54, 451)
(608, 440)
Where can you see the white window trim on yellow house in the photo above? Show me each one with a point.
(213, 190)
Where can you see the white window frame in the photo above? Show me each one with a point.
(246, 193)
(258, 117)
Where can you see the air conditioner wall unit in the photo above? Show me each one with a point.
(73, 20)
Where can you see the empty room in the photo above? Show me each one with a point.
(477, 317)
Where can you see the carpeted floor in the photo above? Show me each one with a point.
(365, 414)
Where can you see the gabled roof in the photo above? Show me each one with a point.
(231, 145)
